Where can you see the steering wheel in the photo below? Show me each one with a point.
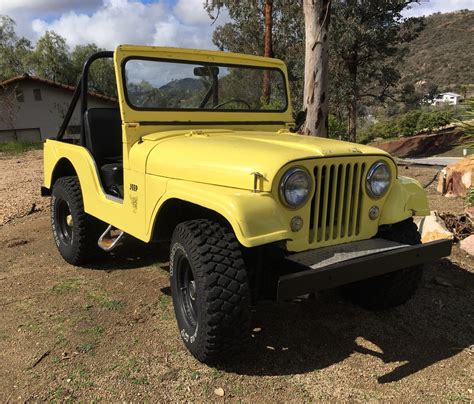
(232, 100)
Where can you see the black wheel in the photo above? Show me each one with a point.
(75, 232)
(211, 296)
(395, 288)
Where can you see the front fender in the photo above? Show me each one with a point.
(254, 216)
(407, 198)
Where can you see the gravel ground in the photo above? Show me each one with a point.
(21, 177)
(107, 332)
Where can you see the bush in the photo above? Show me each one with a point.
(408, 124)
(337, 129)
(434, 119)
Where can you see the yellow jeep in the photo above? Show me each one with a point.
(201, 152)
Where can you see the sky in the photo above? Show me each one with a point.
(181, 23)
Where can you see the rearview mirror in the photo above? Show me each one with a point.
(206, 71)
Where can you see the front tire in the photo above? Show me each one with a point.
(395, 288)
(209, 285)
(75, 232)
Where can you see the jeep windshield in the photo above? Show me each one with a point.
(160, 84)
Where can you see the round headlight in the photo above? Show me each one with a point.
(378, 179)
(295, 187)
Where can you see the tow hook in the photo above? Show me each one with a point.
(110, 238)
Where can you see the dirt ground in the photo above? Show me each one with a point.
(107, 332)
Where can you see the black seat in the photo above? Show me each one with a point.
(103, 132)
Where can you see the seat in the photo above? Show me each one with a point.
(103, 130)
(103, 135)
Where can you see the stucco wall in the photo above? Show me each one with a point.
(45, 115)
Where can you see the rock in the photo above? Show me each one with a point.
(432, 228)
(457, 178)
(467, 245)
(219, 392)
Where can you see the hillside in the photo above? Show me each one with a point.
(443, 53)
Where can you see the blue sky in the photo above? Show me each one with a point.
(159, 22)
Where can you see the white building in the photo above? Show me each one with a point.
(32, 109)
(447, 98)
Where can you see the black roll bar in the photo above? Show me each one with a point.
(81, 91)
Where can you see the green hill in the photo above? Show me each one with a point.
(443, 54)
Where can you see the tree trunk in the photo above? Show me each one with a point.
(267, 46)
(316, 103)
(352, 120)
(352, 107)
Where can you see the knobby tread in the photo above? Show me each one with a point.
(395, 288)
(86, 228)
(222, 281)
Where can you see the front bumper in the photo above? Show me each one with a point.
(334, 266)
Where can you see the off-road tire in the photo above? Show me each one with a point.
(395, 288)
(78, 244)
(221, 291)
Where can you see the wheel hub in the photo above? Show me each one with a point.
(187, 290)
(192, 290)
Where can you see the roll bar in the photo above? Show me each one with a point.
(81, 92)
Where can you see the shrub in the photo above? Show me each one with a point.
(434, 119)
(337, 129)
(407, 123)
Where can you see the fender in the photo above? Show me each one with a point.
(406, 198)
(254, 216)
(127, 214)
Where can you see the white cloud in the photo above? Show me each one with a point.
(45, 6)
(130, 21)
(427, 7)
(191, 12)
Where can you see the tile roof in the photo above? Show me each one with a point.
(26, 77)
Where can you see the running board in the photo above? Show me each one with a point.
(110, 238)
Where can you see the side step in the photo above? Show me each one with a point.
(110, 238)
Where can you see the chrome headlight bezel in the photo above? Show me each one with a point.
(285, 179)
(370, 176)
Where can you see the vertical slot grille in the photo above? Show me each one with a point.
(337, 201)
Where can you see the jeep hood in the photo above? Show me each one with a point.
(228, 158)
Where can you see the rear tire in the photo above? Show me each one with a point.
(75, 232)
(395, 288)
(209, 285)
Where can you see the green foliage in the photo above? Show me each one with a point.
(365, 38)
(337, 128)
(102, 74)
(468, 123)
(408, 124)
(14, 51)
(434, 119)
(51, 58)
(244, 34)
(470, 197)
(19, 147)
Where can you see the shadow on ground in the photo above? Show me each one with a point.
(131, 254)
(312, 334)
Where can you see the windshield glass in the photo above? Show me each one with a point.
(178, 85)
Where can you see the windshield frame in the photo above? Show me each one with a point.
(203, 63)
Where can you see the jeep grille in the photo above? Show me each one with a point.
(335, 209)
